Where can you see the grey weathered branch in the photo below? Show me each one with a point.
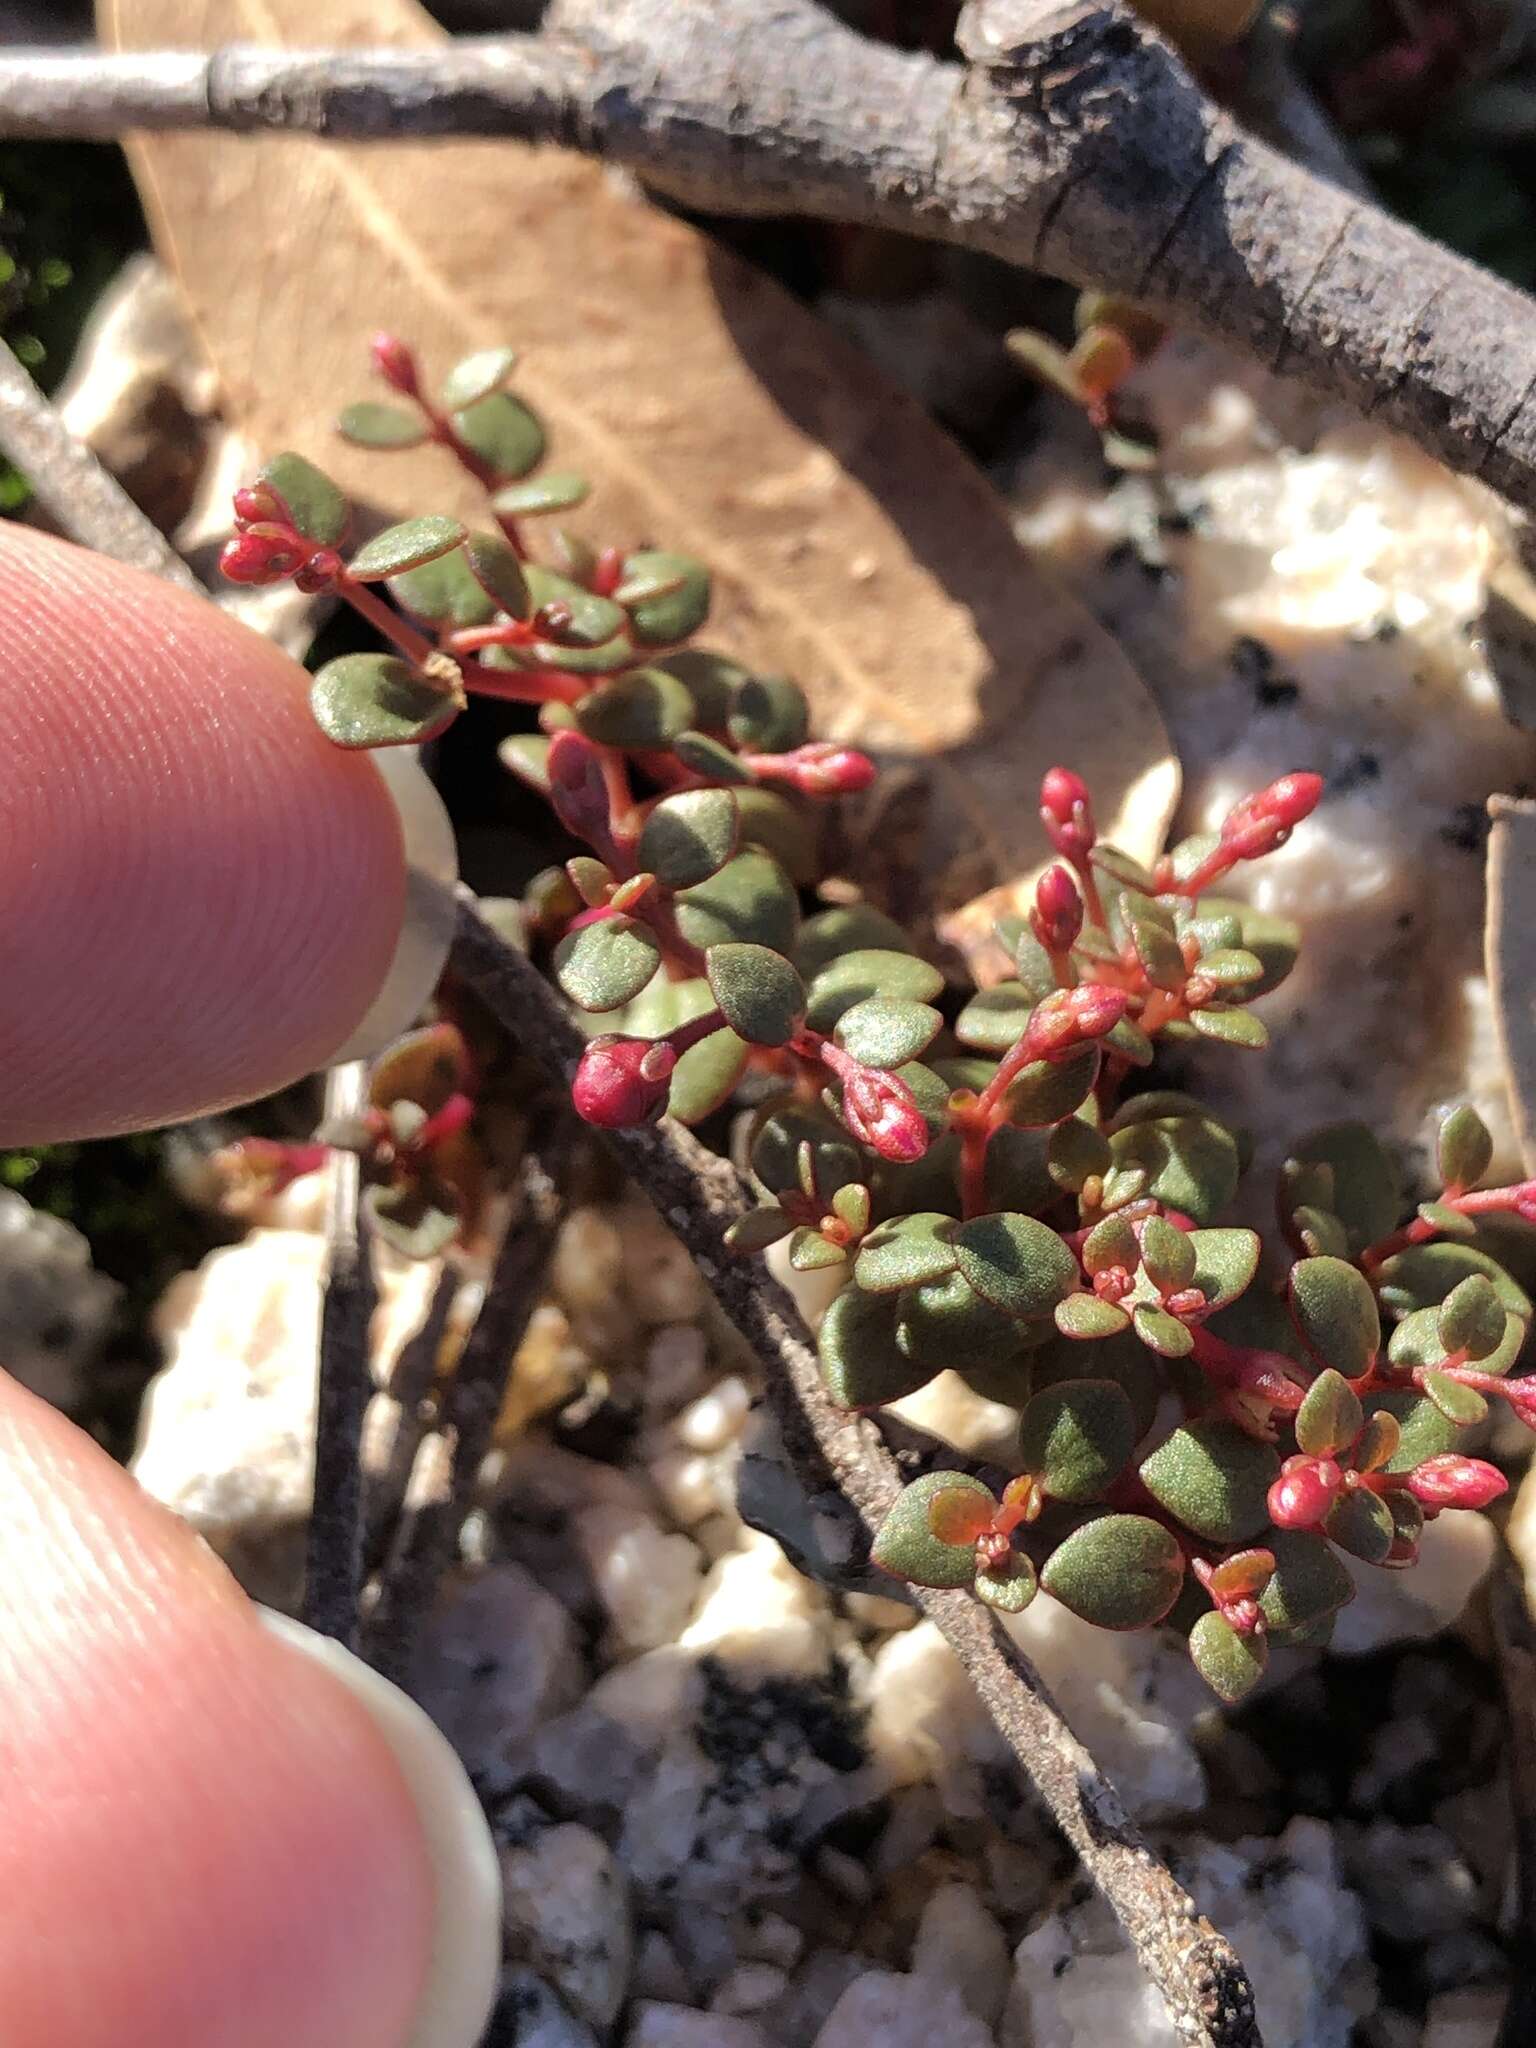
(1073, 141)
(843, 1459)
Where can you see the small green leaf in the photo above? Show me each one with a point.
(946, 1323)
(1075, 1154)
(887, 1031)
(809, 1252)
(1449, 1222)
(906, 1545)
(1076, 1437)
(1225, 1263)
(710, 757)
(498, 570)
(1046, 1091)
(1158, 952)
(1121, 1358)
(689, 837)
(1365, 1190)
(314, 504)
(1168, 1255)
(503, 433)
(378, 700)
(1086, 1316)
(588, 621)
(604, 964)
(372, 425)
(751, 898)
(1424, 1274)
(1011, 1591)
(1109, 1244)
(445, 592)
(1472, 1317)
(1425, 1432)
(1275, 941)
(1117, 1571)
(1330, 1416)
(995, 1018)
(1121, 869)
(1035, 973)
(554, 491)
(642, 709)
(476, 376)
(1231, 1664)
(869, 971)
(1190, 1163)
(847, 928)
(762, 996)
(1458, 1404)
(1161, 1332)
(788, 827)
(1307, 1584)
(705, 1076)
(759, 1229)
(1335, 1314)
(1464, 1147)
(1416, 1341)
(680, 603)
(1322, 1234)
(1214, 1478)
(1129, 1042)
(906, 1251)
(1017, 1264)
(399, 549)
(1378, 1442)
(850, 1205)
(1232, 1027)
(777, 1146)
(768, 715)
(1016, 1176)
(861, 1363)
(1231, 966)
(1361, 1523)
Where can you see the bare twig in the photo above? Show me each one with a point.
(1514, 1636)
(71, 485)
(1074, 141)
(470, 1408)
(410, 1388)
(842, 1457)
(334, 1543)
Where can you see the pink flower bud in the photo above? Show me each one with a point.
(395, 364)
(258, 557)
(1451, 1481)
(577, 789)
(1265, 820)
(1057, 917)
(1070, 1017)
(882, 1112)
(622, 1081)
(1304, 1492)
(1067, 814)
(255, 502)
(826, 769)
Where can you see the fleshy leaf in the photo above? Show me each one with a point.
(1190, 1162)
(869, 971)
(705, 1075)
(759, 1229)
(906, 1251)
(644, 708)
(1111, 1243)
(1016, 1176)
(1016, 1263)
(1330, 1416)
(846, 928)
(907, 1546)
(680, 604)
(1425, 1432)
(861, 1363)
(809, 1252)
(399, 549)
(1458, 1404)
(995, 1018)
(1076, 1437)
(1075, 1154)
(476, 376)
(751, 898)
(554, 491)
(1232, 1027)
(1161, 1332)
(1366, 1192)
(606, 963)
(1158, 952)
(1361, 1523)
(768, 714)
(378, 700)
(785, 827)
(1424, 1274)
(1047, 1090)
(1086, 1316)
(1464, 1147)
(1214, 1478)
(1378, 1442)
(315, 505)
(1117, 1571)
(1308, 1582)
(503, 433)
(1471, 1317)
(1225, 1263)
(777, 1145)
(1275, 941)
(887, 1031)
(1010, 1592)
(762, 996)
(445, 592)
(1168, 1255)
(946, 1323)
(1335, 1314)
(496, 567)
(1231, 1664)
(590, 622)
(689, 837)
(370, 424)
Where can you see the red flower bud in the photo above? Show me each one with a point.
(1304, 1492)
(395, 364)
(1451, 1481)
(882, 1112)
(1067, 814)
(255, 502)
(1265, 820)
(261, 557)
(1057, 917)
(577, 789)
(622, 1081)
(1070, 1017)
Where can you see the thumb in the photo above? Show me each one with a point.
(200, 896)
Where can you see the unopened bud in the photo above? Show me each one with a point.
(623, 1081)
(1067, 813)
(1070, 1017)
(257, 557)
(882, 1112)
(1451, 1481)
(255, 502)
(1057, 917)
(1265, 820)
(822, 768)
(395, 364)
(1304, 1492)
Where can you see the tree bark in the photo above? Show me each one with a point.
(1073, 141)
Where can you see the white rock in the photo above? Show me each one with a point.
(565, 1911)
(647, 1580)
(952, 1411)
(530, 2015)
(715, 1420)
(496, 1661)
(816, 1986)
(768, 1938)
(1413, 1883)
(750, 1987)
(926, 1723)
(1393, 1607)
(902, 2012)
(959, 1943)
(657, 1975)
(695, 1485)
(1465, 2019)
(1279, 1900)
(55, 1308)
(759, 1614)
(677, 2026)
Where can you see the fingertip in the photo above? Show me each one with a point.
(200, 897)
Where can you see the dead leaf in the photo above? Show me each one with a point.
(1511, 956)
(854, 546)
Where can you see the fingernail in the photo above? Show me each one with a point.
(426, 930)
(466, 1943)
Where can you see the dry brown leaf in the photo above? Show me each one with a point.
(1511, 955)
(853, 545)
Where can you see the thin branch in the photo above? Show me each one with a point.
(1514, 1637)
(333, 1554)
(1074, 141)
(410, 1388)
(841, 1456)
(470, 1407)
(69, 483)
